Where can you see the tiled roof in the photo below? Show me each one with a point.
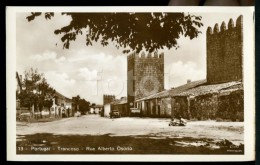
(157, 95)
(97, 106)
(120, 101)
(185, 87)
(196, 88)
(62, 96)
(174, 91)
(209, 89)
(231, 89)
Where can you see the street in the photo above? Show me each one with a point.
(99, 135)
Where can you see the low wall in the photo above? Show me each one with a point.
(204, 107)
(165, 107)
(231, 106)
(225, 105)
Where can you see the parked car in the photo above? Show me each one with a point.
(178, 122)
(114, 114)
(23, 116)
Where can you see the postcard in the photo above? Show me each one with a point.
(130, 83)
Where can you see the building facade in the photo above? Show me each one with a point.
(225, 52)
(145, 76)
(108, 99)
(220, 96)
(96, 109)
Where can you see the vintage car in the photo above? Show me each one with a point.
(114, 114)
(178, 122)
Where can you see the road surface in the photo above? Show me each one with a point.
(131, 129)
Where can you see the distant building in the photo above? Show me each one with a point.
(117, 104)
(62, 106)
(161, 104)
(121, 106)
(196, 100)
(108, 98)
(145, 76)
(96, 109)
(107, 109)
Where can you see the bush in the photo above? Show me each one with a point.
(219, 120)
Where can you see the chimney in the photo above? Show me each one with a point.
(188, 81)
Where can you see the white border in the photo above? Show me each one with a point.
(249, 85)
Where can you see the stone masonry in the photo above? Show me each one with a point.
(108, 99)
(225, 52)
(145, 76)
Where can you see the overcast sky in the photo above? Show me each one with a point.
(91, 71)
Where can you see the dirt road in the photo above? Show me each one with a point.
(96, 125)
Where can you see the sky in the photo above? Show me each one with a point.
(91, 71)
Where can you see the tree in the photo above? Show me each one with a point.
(36, 91)
(83, 106)
(28, 96)
(131, 31)
(75, 101)
(48, 103)
(46, 95)
(80, 104)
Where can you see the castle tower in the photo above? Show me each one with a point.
(225, 52)
(108, 99)
(145, 76)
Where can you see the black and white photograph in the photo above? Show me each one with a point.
(169, 83)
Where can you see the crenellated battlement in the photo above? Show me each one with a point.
(225, 51)
(143, 55)
(109, 95)
(239, 22)
(108, 98)
(224, 28)
(145, 75)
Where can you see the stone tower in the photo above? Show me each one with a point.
(145, 76)
(108, 99)
(225, 52)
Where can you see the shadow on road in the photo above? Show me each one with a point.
(109, 144)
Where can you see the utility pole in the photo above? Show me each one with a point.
(54, 106)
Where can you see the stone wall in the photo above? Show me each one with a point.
(225, 52)
(215, 106)
(145, 75)
(122, 108)
(130, 82)
(149, 75)
(180, 107)
(108, 99)
(204, 107)
(165, 107)
(231, 106)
